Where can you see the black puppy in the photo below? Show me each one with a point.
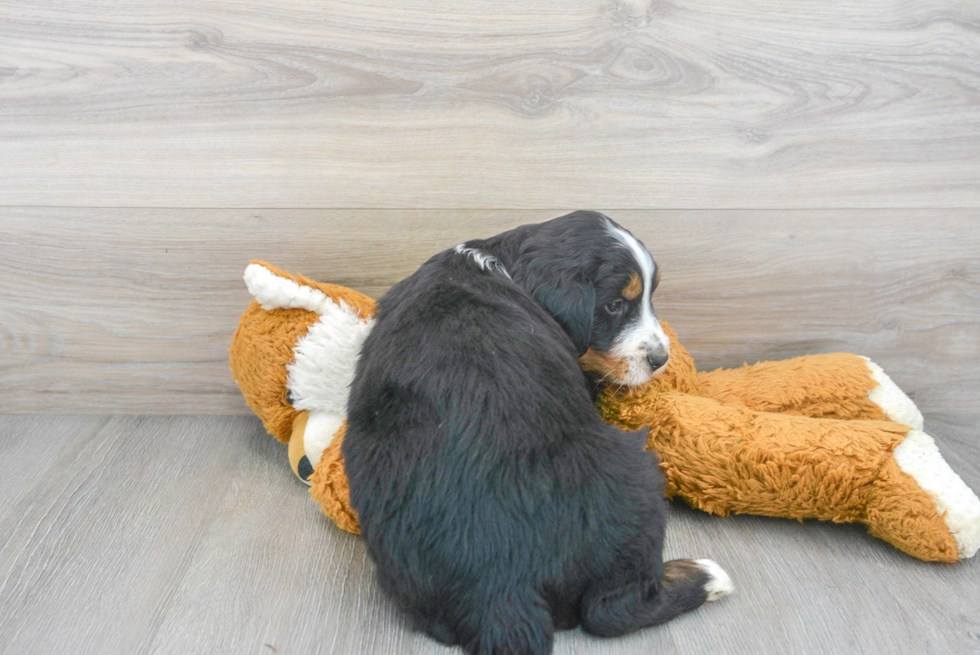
(496, 504)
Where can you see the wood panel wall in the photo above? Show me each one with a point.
(807, 172)
(105, 310)
(490, 104)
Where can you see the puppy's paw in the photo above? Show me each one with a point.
(719, 583)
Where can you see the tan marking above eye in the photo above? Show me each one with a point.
(633, 287)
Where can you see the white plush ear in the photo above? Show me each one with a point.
(324, 358)
(275, 292)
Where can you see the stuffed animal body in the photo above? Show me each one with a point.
(293, 358)
(826, 437)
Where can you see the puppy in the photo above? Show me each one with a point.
(495, 503)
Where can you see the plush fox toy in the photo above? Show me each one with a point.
(829, 437)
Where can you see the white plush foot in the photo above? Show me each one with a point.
(896, 405)
(918, 456)
(720, 584)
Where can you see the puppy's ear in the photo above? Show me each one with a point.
(573, 306)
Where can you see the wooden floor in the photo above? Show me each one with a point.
(157, 534)
(806, 173)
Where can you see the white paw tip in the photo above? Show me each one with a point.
(959, 506)
(720, 584)
(892, 400)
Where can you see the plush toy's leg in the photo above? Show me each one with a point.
(836, 385)
(959, 507)
(725, 458)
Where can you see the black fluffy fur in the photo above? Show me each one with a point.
(496, 504)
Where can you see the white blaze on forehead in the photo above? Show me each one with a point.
(646, 332)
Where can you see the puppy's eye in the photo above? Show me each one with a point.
(615, 307)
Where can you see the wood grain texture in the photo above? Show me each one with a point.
(506, 103)
(138, 535)
(113, 310)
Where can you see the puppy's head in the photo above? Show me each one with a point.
(597, 280)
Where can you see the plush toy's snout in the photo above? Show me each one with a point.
(299, 462)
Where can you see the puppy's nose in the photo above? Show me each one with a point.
(657, 359)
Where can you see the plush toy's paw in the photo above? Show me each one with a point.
(956, 503)
(892, 400)
(720, 583)
(312, 433)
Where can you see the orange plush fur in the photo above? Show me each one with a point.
(263, 346)
(796, 439)
(766, 439)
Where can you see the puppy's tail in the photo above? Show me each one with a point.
(687, 584)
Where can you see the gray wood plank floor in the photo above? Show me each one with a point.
(162, 534)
